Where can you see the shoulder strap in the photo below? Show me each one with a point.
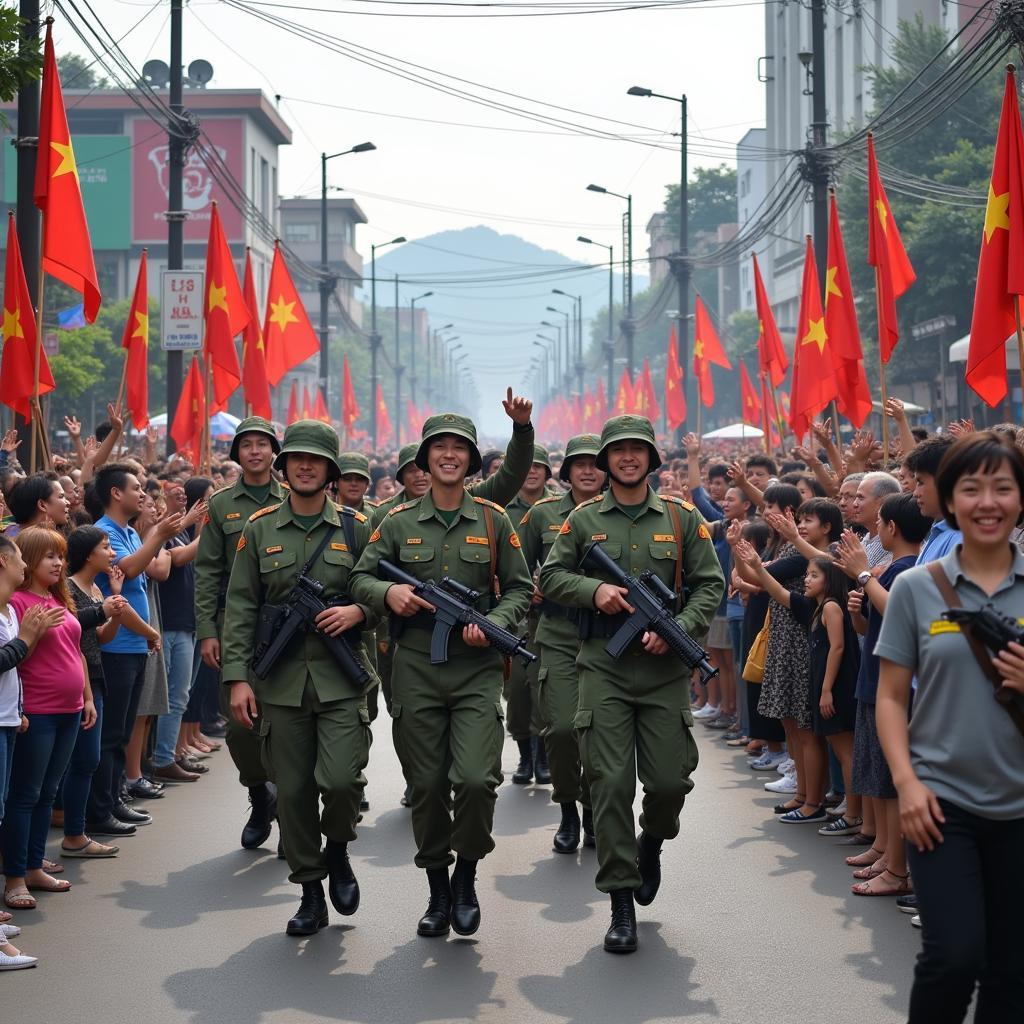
(350, 532)
(493, 546)
(677, 529)
(319, 550)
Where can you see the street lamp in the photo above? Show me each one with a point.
(558, 347)
(679, 261)
(375, 338)
(545, 374)
(327, 279)
(628, 326)
(451, 370)
(412, 343)
(578, 311)
(609, 345)
(567, 373)
(431, 351)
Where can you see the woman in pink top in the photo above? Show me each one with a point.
(57, 698)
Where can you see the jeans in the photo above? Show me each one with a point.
(40, 757)
(970, 890)
(85, 759)
(736, 636)
(8, 734)
(178, 647)
(124, 675)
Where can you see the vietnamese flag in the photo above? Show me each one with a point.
(624, 402)
(384, 427)
(255, 385)
(854, 399)
(771, 353)
(588, 410)
(707, 349)
(414, 417)
(675, 398)
(349, 405)
(751, 412)
(1001, 262)
(67, 248)
(887, 255)
(293, 402)
(320, 408)
(814, 378)
(21, 342)
(289, 336)
(226, 315)
(189, 421)
(652, 410)
(307, 405)
(136, 340)
(600, 408)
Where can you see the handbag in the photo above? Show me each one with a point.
(753, 669)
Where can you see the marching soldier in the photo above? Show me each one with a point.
(254, 447)
(354, 482)
(558, 643)
(312, 716)
(447, 719)
(634, 717)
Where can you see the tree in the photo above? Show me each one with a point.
(78, 73)
(21, 60)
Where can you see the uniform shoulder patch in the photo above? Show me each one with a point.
(346, 511)
(590, 501)
(513, 539)
(679, 501)
(264, 512)
(398, 508)
(526, 517)
(547, 501)
(375, 536)
(486, 501)
(703, 532)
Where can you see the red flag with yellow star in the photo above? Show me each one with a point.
(854, 400)
(226, 315)
(887, 255)
(652, 410)
(67, 247)
(770, 350)
(600, 408)
(255, 385)
(675, 398)
(190, 416)
(17, 369)
(814, 377)
(707, 349)
(1001, 262)
(320, 408)
(384, 427)
(349, 405)
(624, 400)
(751, 403)
(293, 403)
(288, 334)
(136, 340)
(307, 405)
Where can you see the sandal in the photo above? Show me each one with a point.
(871, 870)
(58, 885)
(5, 917)
(51, 867)
(857, 861)
(901, 888)
(92, 850)
(19, 899)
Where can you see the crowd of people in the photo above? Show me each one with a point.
(840, 561)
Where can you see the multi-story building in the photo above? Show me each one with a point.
(751, 182)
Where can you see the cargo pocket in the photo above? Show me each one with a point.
(263, 742)
(691, 755)
(396, 729)
(582, 722)
(499, 739)
(542, 697)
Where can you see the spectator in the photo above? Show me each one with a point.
(923, 465)
(873, 488)
(37, 500)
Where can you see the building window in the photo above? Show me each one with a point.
(298, 232)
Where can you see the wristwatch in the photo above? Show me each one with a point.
(863, 577)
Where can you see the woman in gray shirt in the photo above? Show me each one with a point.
(959, 766)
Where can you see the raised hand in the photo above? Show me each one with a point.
(783, 525)
(734, 533)
(91, 447)
(823, 431)
(894, 409)
(73, 427)
(745, 552)
(691, 442)
(517, 408)
(114, 416)
(115, 576)
(738, 473)
(10, 442)
(194, 515)
(850, 555)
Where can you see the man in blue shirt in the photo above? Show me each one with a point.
(924, 462)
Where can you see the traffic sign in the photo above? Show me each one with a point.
(181, 310)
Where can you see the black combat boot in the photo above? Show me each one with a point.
(567, 838)
(589, 839)
(543, 772)
(621, 934)
(523, 775)
(438, 918)
(465, 908)
(312, 913)
(649, 862)
(264, 810)
(341, 881)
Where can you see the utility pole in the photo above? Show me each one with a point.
(326, 287)
(26, 144)
(398, 362)
(818, 168)
(175, 201)
(628, 324)
(681, 267)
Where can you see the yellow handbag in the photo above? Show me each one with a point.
(753, 670)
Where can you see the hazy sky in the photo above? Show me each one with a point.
(526, 178)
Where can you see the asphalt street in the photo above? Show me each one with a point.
(755, 922)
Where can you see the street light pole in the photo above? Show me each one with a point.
(431, 353)
(567, 370)
(609, 345)
(628, 325)
(375, 338)
(412, 343)
(578, 316)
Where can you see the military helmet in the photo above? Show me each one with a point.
(541, 458)
(354, 462)
(254, 425)
(628, 428)
(313, 437)
(406, 457)
(449, 423)
(581, 444)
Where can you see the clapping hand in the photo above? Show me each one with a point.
(194, 515)
(850, 555)
(115, 577)
(783, 525)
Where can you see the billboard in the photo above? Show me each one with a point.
(150, 179)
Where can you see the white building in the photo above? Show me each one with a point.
(751, 183)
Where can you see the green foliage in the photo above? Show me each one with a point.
(20, 61)
(78, 73)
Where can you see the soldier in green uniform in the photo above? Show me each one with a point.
(254, 447)
(634, 716)
(448, 718)
(414, 483)
(558, 643)
(354, 482)
(524, 720)
(313, 724)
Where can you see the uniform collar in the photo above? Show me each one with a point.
(428, 510)
(652, 502)
(567, 503)
(955, 571)
(239, 488)
(285, 515)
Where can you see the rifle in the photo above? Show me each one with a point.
(453, 602)
(652, 601)
(995, 630)
(279, 623)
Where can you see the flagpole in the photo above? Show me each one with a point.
(1020, 344)
(124, 378)
(207, 440)
(881, 364)
(765, 421)
(700, 403)
(38, 442)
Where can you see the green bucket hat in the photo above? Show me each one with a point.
(254, 425)
(541, 458)
(581, 444)
(449, 423)
(312, 437)
(406, 457)
(354, 462)
(628, 428)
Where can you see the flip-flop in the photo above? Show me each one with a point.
(58, 886)
(92, 851)
(19, 899)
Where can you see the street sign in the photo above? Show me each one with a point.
(936, 325)
(181, 310)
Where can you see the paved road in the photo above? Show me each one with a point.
(754, 923)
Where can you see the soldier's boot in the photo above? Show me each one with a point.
(341, 880)
(280, 848)
(567, 838)
(264, 810)
(523, 775)
(543, 772)
(465, 907)
(438, 918)
(621, 934)
(589, 839)
(649, 862)
(364, 804)
(312, 913)
(406, 800)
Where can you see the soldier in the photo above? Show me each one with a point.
(313, 723)
(522, 706)
(254, 447)
(354, 482)
(448, 718)
(558, 644)
(634, 717)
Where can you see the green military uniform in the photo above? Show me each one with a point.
(229, 510)
(313, 726)
(634, 716)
